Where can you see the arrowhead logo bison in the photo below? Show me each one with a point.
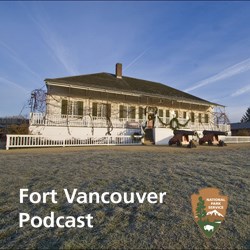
(209, 209)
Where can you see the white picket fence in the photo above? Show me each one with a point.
(27, 141)
(236, 139)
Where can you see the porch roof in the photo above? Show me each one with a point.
(107, 81)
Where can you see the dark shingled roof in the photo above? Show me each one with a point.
(127, 84)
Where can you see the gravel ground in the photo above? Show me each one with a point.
(179, 172)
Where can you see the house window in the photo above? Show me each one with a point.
(192, 116)
(72, 108)
(101, 109)
(167, 115)
(122, 111)
(141, 110)
(206, 118)
(108, 110)
(131, 112)
(161, 113)
(64, 108)
(185, 115)
(200, 118)
(127, 111)
(176, 113)
(78, 108)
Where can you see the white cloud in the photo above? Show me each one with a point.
(6, 81)
(241, 91)
(56, 46)
(136, 59)
(226, 73)
(17, 59)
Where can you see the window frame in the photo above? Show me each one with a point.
(161, 113)
(192, 116)
(200, 118)
(101, 110)
(72, 108)
(206, 119)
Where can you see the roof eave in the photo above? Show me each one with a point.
(175, 98)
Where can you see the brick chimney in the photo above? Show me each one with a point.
(118, 70)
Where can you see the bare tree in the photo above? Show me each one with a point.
(37, 100)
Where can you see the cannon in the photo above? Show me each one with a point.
(181, 137)
(212, 138)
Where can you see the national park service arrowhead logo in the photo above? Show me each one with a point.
(209, 209)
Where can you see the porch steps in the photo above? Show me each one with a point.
(149, 137)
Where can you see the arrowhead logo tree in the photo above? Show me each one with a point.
(200, 212)
(209, 209)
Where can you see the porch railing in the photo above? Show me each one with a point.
(27, 141)
(100, 122)
(198, 126)
(82, 121)
(207, 126)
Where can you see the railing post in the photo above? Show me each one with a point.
(7, 142)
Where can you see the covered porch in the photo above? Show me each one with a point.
(40, 119)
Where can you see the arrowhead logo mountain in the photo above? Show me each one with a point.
(209, 209)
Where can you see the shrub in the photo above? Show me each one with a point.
(243, 132)
(22, 129)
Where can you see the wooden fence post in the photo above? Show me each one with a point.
(7, 142)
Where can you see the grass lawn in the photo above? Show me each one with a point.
(179, 172)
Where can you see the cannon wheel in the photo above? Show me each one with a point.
(210, 143)
(191, 144)
(221, 143)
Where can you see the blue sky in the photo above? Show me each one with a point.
(198, 47)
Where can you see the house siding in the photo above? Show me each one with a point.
(54, 108)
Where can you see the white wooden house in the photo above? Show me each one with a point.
(112, 104)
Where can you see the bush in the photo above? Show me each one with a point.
(22, 129)
(243, 132)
